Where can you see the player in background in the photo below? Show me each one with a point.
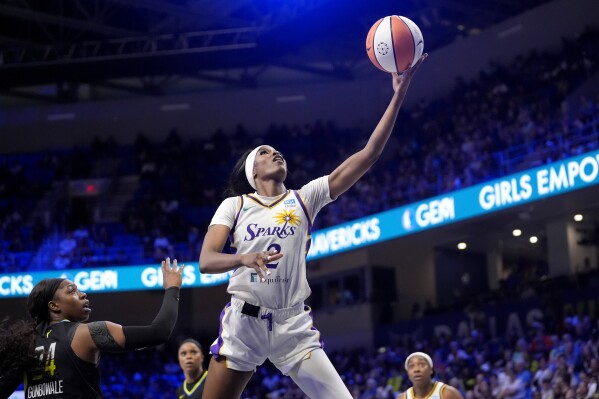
(420, 370)
(191, 360)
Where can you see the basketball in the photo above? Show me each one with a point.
(394, 43)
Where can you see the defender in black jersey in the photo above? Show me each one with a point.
(191, 360)
(62, 373)
(57, 354)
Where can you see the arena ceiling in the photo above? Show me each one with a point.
(50, 49)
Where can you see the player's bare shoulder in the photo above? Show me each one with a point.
(449, 392)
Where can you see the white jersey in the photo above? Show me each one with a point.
(283, 223)
(436, 392)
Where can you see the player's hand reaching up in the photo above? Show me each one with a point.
(259, 260)
(402, 81)
(172, 277)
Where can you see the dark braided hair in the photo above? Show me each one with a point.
(37, 303)
(238, 183)
(17, 342)
(17, 338)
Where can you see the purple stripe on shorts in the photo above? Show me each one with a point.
(306, 307)
(215, 349)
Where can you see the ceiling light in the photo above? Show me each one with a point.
(578, 217)
(517, 232)
(533, 239)
(462, 246)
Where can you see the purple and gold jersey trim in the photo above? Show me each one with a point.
(233, 249)
(305, 209)
(303, 205)
(274, 203)
(238, 213)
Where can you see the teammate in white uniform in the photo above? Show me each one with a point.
(420, 370)
(270, 232)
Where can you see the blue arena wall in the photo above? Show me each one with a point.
(531, 185)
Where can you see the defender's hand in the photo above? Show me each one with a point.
(172, 277)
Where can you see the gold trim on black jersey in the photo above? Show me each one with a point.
(197, 384)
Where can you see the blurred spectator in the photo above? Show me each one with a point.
(193, 243)
(162, 247)
(67, 245)
(81, 234)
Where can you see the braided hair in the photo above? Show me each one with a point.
(17, 338)
(238, 183)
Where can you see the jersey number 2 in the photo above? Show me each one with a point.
(276, 247)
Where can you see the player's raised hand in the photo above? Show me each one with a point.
(172, 276)
(401, 81)
(259, 260)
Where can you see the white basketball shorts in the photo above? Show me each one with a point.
(249, 335)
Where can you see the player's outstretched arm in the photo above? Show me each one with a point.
(92, 338)
(354, 167)
(212, 260)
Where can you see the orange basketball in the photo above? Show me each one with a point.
(394, 43)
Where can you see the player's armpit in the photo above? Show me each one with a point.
(103, 338)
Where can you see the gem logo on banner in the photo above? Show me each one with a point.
(123, 278)
(520, 188)
(556, 178)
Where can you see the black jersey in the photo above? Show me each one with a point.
(194, 391)
(62, 373)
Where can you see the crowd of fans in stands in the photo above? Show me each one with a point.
(557, 357)
(509, 118)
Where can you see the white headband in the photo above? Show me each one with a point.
(249, 166)
(421, 354)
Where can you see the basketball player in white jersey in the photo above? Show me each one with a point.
(270, 232)
(419, 366)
